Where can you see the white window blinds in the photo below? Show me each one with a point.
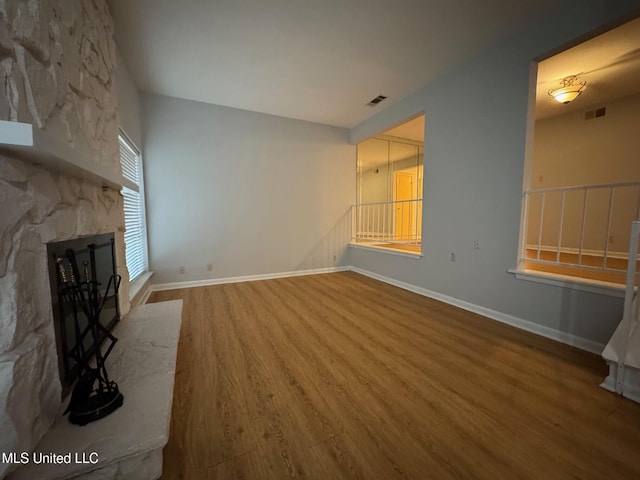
(135, 236)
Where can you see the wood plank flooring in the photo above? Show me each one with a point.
(339, 376)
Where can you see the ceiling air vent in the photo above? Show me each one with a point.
(597, 113)
(376, 100)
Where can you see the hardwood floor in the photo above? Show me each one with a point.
(339, 376)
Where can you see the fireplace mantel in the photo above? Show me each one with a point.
(27, 142)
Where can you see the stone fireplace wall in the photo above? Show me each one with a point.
(57, 71)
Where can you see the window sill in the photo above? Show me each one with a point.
(386, 250)
(581, 284)
(138, 284)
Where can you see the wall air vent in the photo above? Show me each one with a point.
(376, 100)
(597, 113)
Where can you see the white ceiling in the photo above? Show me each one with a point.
(320, 61)
(609, 63)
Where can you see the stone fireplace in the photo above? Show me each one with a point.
(57, 72)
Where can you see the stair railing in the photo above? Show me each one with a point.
(556, 230)
(631, 312)
(396, 222)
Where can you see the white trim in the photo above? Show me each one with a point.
(632, 394)
(574, 283)
(520, 323)
(575, 251)
(389, 250)
(631, 381)
(145, 295)
(139, 289)
(247, 278)
(609, 382)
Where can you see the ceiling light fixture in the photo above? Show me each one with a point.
(569, 91)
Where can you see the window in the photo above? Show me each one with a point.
(135, 236)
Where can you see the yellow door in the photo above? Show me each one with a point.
(404, 210)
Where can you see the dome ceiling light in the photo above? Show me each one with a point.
(569, 91)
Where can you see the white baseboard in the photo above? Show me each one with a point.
(563, 337)
(632, 395)
(145, 295)
(140, 289)
(609, 384)
(630, 384)
(246, 278)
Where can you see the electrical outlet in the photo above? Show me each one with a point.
(335, 257)
(452, 257)
(181, 270)
(610, 238)
(209, 267)
(476, 244)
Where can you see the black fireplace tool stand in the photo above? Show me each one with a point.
(94, 396)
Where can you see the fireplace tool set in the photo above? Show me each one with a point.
(94, 395)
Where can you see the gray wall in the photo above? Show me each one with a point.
(476, 117)
(245, 192)
(128, 101)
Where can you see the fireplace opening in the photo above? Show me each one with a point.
(84, 286)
